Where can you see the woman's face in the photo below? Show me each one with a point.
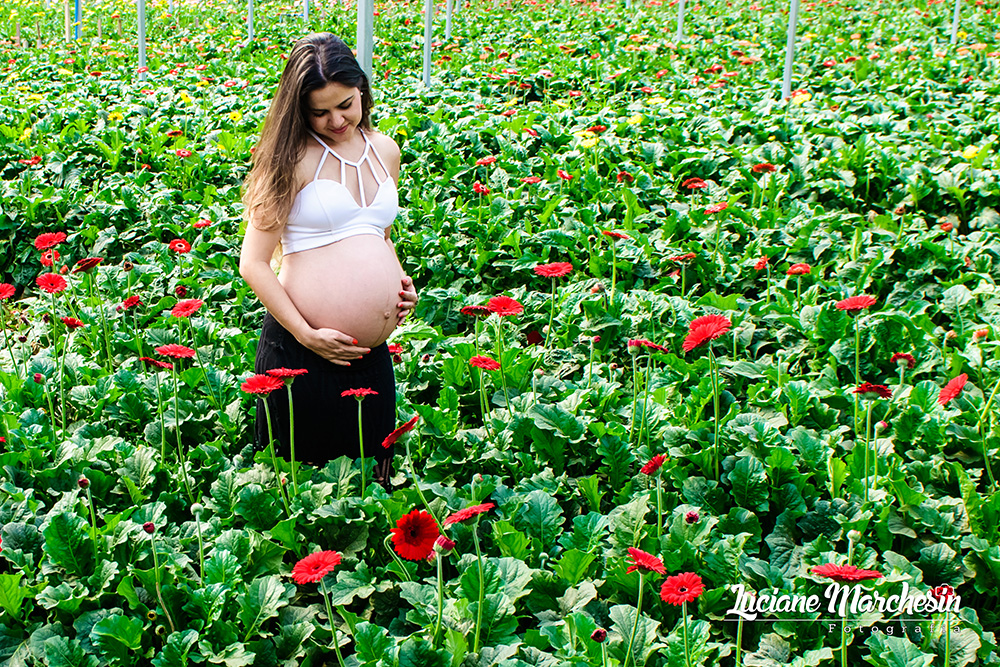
(334, 111)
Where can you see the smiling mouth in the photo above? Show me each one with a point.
(342, 129)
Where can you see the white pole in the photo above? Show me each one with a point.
(365, 37)
(305, 11)
(680, 21)
(954, 22)
(66, 16)
(141, 11)
(428, 38)
(249, 21)
(447, 20)
(77, 18)
(793, 22)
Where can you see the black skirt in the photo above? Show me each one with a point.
(326, 423)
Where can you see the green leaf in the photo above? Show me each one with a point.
(68, 544)
(356, 583)
(556, 418)
(623, 620)
(420, 653)
(222, 567)
(510, 540)
(260, 507)
(573, 565)
(589, 532)
(898, 651)
(65, 652)
(371, 643)
(115, 636)
(261, 601)
(175, 651)
(628, 522)
(750, 487)
(540, 517)
(11, 594)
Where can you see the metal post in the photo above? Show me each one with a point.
(249, 21)
(305, 11)
(428, 38)
(141, 12)
(680, 21)
(793, 22)
(954, 22)
(447, 20)
(66, 17)
(77, 18)
(365, 36)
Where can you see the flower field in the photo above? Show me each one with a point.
(678, 339)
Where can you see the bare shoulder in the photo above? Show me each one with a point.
(307, 164)
(386, 147)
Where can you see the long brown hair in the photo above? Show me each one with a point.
(315, 61)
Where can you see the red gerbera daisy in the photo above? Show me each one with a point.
(869, 391)
(391, 439)
(952, 389)
(315, 566)
(653, 464)
(261, 384)
(763, 168)
(561, 173)
(694, 183)
(799, 269)
(52, 283)
(504, 305)
(642, 342)
(903, 359)
(87, 264)
(154, 362)
(486, 363)
(187, 307)
(72, 323)
(615, 235)
(49, 240)
(49, 257)
(704, 329)
(760, 264)
(531, 180)
(176, 351)
(286, 375)
(476, 311)
(715, 208)
(844, 573)
(414, 535)
(686, 257)
(180, 246)
(130, 302)
(554, 270)
(483, 161)
(468, 513)
(645, 562)
(854, 304)
(359, 393)
(681, 588)
(6, 291)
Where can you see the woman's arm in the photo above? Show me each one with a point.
(255, 268)
(409, 292)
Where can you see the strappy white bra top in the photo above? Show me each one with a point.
(325, 212)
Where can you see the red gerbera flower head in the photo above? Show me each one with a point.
(201, 224)
(49, 257)
(476, 311)
(49, 240)
(855, 304)
(130, 302)
(644, 561)
(180, 246)
(554, 270)
(531, 179)
(395, 435)
(174, 133)
(635, 343)
(315, 566)
(286, 375)
(870, 392)
(615, 235)
(625, 176)
(358, 393)
(479, 188)
(72, 323)
(715, 208)
(468, 513)
(484, 161)
(686, 257)
(443, 545)
(942, 593)
(187, 307)
(844, 573)
(504, 306)
(154, 362)
(564, 175)
(52, 283)
(705, 329)
(760, 264)
(182, 152)
(763, 168)
(261, 384)
(694, 183)
(952, 389)
(681, 588)
(87, 264)
(176, 351)
(6, 291)
(597, 129)
(980, 334)
(414, 536)
(799, 270)
(486, 363)
(903, 359)
(653, 465)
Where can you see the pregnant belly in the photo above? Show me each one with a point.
(352, 286)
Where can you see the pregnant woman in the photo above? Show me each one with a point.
(319, 201)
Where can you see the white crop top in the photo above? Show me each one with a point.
(325, 212)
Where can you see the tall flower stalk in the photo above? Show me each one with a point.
(482, 364)
(503, 306)
(642, 562)
(263, 385)
(844, 574)
(614, 258)
(150, 529)
(178, 352)
(553, 271)
(86, 266)
(854, 305)
(359, 395)
(704, 330)
(159, 400)
(870, 393)
(288, 375)
(312, 569)
(461, 516)
(681, 589)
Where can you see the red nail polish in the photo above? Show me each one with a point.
(355, 341)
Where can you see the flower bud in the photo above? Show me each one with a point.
(881, 427)
(691, 517)
(599, 635)
(22, 339)
(83, 482)
(181, 291)
(151, 615)
(981, 334)
(149, 527)
(613, 366)
(38, 378)
(197, 509)
(854, 536)
(951, 335)
(161, 631)
(127, 266)
(443, 545)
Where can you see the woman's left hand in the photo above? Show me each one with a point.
(409, 299)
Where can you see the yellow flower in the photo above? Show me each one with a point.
(636, 119)
(114, 117)
(583, 134)
(201, 84)
(26, 134)
(64, 71)
(970, 152)
(562, 103)
(187, 98)
(35, 97)
(235, 116)
(962, 34)
(802, 98)
(589, 143)
(656, 100)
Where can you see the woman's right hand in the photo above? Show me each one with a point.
(334, 346)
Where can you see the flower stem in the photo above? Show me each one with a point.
(503, 374)
(159, 593)
(333, 627)
(291, 440)
(868, 431)
(982, 432)
(659, 507)
(416, 483)
(714, 369)
(482, 585)
(93, 524)
(274, 459)
(177, 430)
(159, 410)
(361, 446)
(590, 368)
(843, 642)
(635, 394)
(739, 640)
(857, 365)
(552, 310)
(440, 582)
(947, 638)
(201, 545)
(635, 626)
(104, 321)
(687, 648)
(614, 270)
